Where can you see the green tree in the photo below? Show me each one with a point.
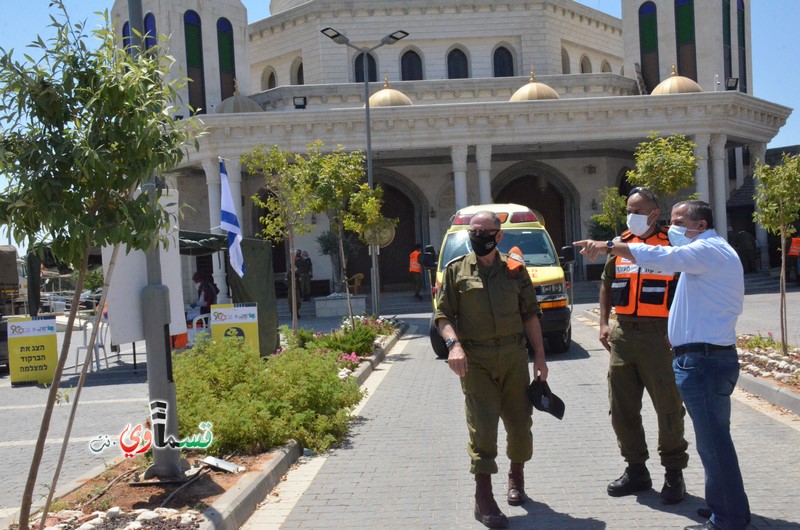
(778, 200)
(286, 202)
(613, 210)
(84, 126)
(666, 166)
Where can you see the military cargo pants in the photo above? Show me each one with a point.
(640, 359)
(495, 387)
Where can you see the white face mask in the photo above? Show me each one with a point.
(637, 224)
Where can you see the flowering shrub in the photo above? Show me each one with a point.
(380, 325)
(750, 342)
(349, 361)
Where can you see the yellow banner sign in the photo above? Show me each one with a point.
(235, 320)
(32, 350)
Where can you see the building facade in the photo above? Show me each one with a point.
(463, 140)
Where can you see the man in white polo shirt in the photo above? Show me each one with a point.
(702, 331)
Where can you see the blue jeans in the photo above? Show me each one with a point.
(706, 380)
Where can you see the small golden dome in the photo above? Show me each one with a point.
(534, 91)
(676, 84)
(238, 103)
(388, 97)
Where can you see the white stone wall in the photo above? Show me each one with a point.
(533, 31)
(708, 39)
(169, 21)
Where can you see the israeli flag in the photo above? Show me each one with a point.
(230, 222)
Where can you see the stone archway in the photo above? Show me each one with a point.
(546, 190)
(404, 201)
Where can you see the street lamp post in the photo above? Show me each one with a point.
(340, 38)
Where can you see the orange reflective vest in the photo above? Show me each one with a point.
(413, 262)
(641, 291)
(794, 247)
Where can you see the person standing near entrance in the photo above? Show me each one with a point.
(305, 271)
(415, 270)
(702, 331)
(641, 358)
(486, 307)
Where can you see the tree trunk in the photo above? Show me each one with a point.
(30, 484)
(784, 325)
(86, 364)
(340, 233)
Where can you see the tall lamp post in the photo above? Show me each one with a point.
(340, 38)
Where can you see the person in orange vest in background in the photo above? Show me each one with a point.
(794, 251)
(415, 270)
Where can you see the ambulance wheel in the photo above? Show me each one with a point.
(559, 342)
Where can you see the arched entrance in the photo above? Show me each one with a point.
(404, 202)
(545, 190)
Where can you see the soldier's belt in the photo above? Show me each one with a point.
(657, 323)
(496, 341)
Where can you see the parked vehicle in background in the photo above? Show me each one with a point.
(522, 228)
(9, 291)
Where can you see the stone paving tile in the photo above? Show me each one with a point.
(405, 464)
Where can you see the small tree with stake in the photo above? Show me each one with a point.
(85, 126)
(286, 203)
(778, 200)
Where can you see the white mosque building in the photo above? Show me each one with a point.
(537, 102)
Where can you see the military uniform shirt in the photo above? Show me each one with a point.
(486, 304)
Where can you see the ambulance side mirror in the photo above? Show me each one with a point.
(428, 258)
(567, 254)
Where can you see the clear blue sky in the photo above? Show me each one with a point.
(776, 77)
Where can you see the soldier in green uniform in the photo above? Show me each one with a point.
(486, 308)
(641, 358)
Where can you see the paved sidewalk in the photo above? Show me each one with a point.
(404, 464)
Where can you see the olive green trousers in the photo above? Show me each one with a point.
(495, 387)
(641, 359)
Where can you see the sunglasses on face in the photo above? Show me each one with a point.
(482, 233)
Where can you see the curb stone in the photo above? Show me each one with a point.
(765, 389)
(236, 506)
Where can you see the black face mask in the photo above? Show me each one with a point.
(484, 244)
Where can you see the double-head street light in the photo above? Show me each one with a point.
(340, 38)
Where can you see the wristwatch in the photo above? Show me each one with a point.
(609, 246)
(450, 342)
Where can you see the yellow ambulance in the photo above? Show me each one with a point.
(524, 229)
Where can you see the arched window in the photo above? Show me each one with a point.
(586, 65)
(727, 58)
(648, 44)
(605, 67)
(564, 61)
(684, 38)
(742, 46)
(227, 63)
(297, 73)
(358, 68)
(457, 65)
(193, 34)
(268, 79)
(150, 35)
(411, 66)
(126, 37)
(503, 62)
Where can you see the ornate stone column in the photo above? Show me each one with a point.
(701, 142)
(757, 155)
(459, 157)
(483, 156)
(720, 185)
(234, 167)
(211, 169)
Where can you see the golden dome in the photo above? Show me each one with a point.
(388, 97)
(534, 91)
(676, 84)
(238, 103)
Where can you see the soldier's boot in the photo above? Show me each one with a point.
(516, 485)
(674, 489)
(486, 509)
(635, 478)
